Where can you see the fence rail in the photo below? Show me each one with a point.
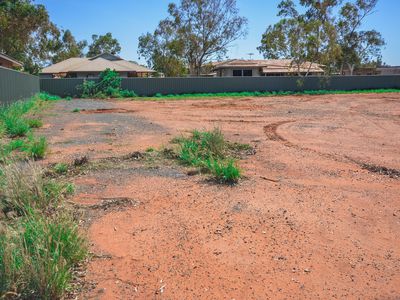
(152, 86)
(16, 85)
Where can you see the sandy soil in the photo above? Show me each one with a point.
(307, 221)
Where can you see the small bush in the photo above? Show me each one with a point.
(109, 80)
(108, 86)
(75, 110)
(88, 88)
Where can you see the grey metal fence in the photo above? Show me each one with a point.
(16, 85)
(152, 86)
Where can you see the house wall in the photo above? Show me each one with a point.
(5, 63)
(389, 71)
(228, 72)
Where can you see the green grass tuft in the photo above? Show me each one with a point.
(34, 123)
(61, 168)
(36, 147)
(208, 150)
(37, 255)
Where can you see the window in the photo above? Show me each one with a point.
(248, 73)
(237, 73)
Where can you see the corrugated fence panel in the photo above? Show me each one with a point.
(152, 86)
(15, 85)
(61, 87)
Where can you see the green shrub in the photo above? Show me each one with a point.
(109, 80)
(75, 110)
(108, 86)
(88, 88)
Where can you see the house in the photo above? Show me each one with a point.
(9, 62)
(363, 71)
(389, 70)
(266, 67)
(82, 67)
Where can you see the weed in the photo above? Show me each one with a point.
(209, 151)
(16, 126)
(127, 94)
(61, 168)
(24, 188)
(224, 170)
(76, 110)
(150, 149)
(47, 97)
(36, 147)
(34, 123)
(37, 255)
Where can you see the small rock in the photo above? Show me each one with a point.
(307, 270)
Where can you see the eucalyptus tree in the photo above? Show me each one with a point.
(198, 31)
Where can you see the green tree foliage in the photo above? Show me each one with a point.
(359, 47)
(108, 85)
(162, 52)
(194, 33)
(103, 44)
(26, 33)
(318, 36)
(68, 47)
(308, 37)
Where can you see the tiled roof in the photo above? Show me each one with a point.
(96, 64)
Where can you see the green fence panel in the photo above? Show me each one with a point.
(16, 85)
(165, 86)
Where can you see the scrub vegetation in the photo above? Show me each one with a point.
(40, 243)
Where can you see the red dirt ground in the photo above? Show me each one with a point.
(306, 222)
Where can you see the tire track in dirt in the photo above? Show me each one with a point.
(271, 132)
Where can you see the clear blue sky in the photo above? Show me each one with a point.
(128, 19)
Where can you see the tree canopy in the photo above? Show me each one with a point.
(27, 34)
(319, 36)
(194, 33)
(103, 44)
(68, 47)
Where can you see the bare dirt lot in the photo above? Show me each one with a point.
(317, 215)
